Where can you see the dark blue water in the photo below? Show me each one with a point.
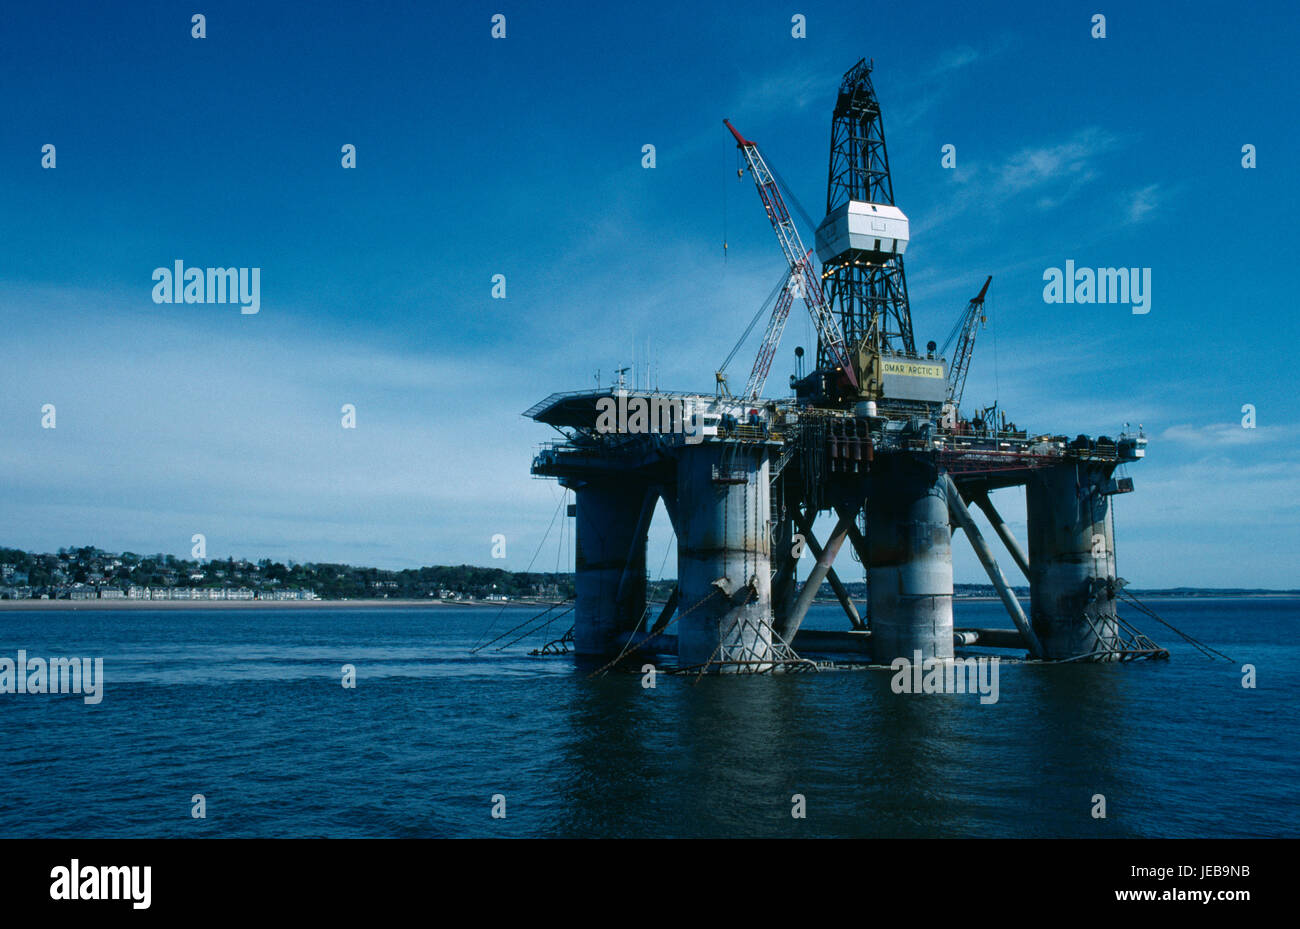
(247, 709)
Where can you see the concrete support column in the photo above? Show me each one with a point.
(784, 581)
(909, 544)
(609, 565)
(723, 555)
(1071, 560)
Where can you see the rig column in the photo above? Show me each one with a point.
(909, 541)
(1072, 560)
(609, 553)
(724, 556)
(786, 567)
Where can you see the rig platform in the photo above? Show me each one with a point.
(874, 435)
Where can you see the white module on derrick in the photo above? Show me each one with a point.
(873, 231)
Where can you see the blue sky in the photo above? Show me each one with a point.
(522, 157)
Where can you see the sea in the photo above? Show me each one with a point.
(242, 716)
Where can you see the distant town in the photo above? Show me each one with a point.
(91, 573)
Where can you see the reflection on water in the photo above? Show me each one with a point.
(249, 710)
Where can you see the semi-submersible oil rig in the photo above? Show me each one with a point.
(874, 435)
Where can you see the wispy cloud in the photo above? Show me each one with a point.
(1223, 434)
(1141, 203)
(794, 88)
(1042, 176)
(1069, 162)
(1265, 494)
(954, 60)
(937, 81)
(239, 435)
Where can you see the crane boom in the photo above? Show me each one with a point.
(964, 333)
(771, 339)
(801, 271)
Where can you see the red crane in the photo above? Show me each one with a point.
(802, 279)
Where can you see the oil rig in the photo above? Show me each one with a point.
(874, 435)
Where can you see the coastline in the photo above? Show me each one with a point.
(58, 606)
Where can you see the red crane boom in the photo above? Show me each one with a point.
(802, 276)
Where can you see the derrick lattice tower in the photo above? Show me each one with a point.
(858, 242)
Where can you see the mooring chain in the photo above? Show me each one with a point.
(628, 648)
(537, 616)
(1201, 646)
(536, 629)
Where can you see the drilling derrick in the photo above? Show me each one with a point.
(873, 438)
(862, 239)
